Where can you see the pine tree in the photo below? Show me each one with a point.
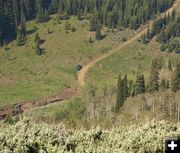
(169, 65)
(120, 94)
(30, 9)
(39, 13)
(148, 35)
(154, 77)
(37, 41)
(92, 24)
(98, 32)
(79, 15)
(19, 41)
(38, 49)
(46, 16)
(9, 25)
(67, 26)
(140, 84)
(173, 15)
(21, 30)
(37, 38)
(16, 12)
(125, 87)
(23, 26)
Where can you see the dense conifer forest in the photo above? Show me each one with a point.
(111, 13)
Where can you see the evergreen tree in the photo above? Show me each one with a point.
(125, 87)
(79, 15)
(169, 65)
(140, 84)
(92, 26)
(37, 38)
(7, 20)
(98, 32)
(37, 41)
(38, 49)
(30, 9)
(16, 12)
(67, 26)
(154, 77)
(120, 94)
(111, 13)
(19, 41)
(144, 39)
(39, 13)
(23, 26)
(46, 16)
(148, 35)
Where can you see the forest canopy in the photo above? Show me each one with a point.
(111, 13)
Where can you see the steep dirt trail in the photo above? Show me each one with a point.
(83, 72)
(21, 107)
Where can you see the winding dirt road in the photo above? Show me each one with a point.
(70, 92)
(83, 72)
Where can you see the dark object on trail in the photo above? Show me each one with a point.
(78, 67)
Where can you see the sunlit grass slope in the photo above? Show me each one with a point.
(26, 76)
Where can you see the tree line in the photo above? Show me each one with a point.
(166, 30)
(127, 88)
(111, 13)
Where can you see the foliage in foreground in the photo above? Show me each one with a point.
(26, 136)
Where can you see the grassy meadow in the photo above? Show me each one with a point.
(26, 76)
(126, 62)
(103, 78)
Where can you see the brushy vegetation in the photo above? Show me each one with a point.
(26, 136)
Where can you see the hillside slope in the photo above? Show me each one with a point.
(84, 71)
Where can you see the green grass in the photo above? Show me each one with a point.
(126, 62)
(26, 76)
(70, 112)
(105, 74)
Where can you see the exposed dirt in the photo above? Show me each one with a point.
(19, 108)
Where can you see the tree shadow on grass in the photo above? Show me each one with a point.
(103, 36)
(42, 41)
(43, 51)
(31, 31)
